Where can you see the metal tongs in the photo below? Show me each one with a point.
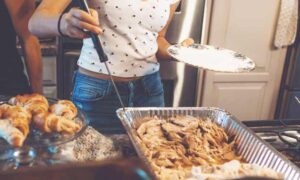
(102, 56)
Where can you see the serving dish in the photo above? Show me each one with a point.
(249, 146)
(212, 58)
(39, 148)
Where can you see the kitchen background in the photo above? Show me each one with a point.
(271, 90)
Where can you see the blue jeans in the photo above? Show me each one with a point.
(97, 98)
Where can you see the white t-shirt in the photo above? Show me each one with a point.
(130, 31)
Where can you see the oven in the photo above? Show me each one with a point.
(288, 104)
(282, 134)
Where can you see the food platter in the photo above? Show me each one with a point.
(38, 139)
(212, 58)
(38, 146)
(249, 146)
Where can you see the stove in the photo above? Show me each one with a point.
(283, 135)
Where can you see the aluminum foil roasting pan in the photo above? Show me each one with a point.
(250, 146)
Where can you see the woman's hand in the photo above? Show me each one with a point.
(76, 21)
(187, 42)
(163, 45)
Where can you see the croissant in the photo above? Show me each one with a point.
(34, 103)
(15, 117)
(3, 108)
(64, 108)
(50, 122)
(19, 117)
(22, 100)
(37, 107)
(10, 133)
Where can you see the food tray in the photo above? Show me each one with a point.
(249, 145)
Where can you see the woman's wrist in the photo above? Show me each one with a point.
(59, 24)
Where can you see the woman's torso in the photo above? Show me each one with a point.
(129, 39)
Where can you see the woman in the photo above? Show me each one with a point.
(132, 35)
(14, 17)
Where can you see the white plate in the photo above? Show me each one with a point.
(212, 58)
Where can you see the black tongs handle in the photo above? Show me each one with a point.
(102, 56)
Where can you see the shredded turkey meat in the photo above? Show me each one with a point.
(174, 145)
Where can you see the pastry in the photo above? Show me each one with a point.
(22, 110)
(64, 108)
(3, 108)
(34, 103)
(10, 133)
(22, 100)
(49, 122)
(19, 117)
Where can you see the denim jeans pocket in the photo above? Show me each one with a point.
(152, 84)
(87, 89)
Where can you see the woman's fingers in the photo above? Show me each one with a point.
(94, 14)
(187, 42)
(76, 21)
(77, 33)
(84, 25)
(84, 16)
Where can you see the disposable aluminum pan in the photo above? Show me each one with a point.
(250, 146)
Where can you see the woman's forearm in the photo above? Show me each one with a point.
(34, 65)
(43, 22)
(163, 45)
(38, 27)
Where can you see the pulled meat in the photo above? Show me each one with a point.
(176, 144)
